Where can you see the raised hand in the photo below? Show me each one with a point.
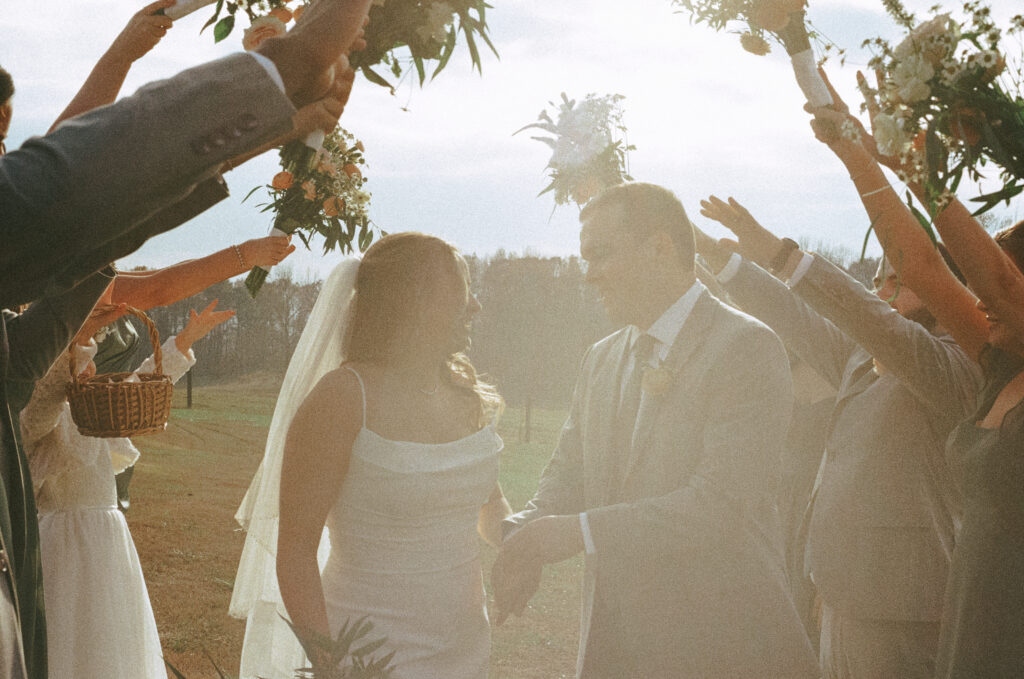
(306, 57)
(324, 113)
(754, 242)
(199, 325)
(103, 315)
(266, 251)
(143, 32)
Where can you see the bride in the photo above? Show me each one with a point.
(381, 466)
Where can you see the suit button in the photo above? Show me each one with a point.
(233, 132)
(201, 146)
(247, 122)
(4, 565)
(217, 139)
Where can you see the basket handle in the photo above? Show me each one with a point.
(154, 338)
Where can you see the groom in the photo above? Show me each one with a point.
(665, 469)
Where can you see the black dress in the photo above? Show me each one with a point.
(983, 624)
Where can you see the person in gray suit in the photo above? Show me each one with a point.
(102, 183)
(94, 190)
(665, 469)
(881, 523)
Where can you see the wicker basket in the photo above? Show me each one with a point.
(107, 406)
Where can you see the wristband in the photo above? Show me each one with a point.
(241, 259)
(782, 256)
(874, 191)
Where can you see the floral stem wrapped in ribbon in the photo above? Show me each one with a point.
(782, 20)
(589, 151)
(949, 102)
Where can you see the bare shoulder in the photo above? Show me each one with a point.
(335, 403)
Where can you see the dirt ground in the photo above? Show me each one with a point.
(185, 491)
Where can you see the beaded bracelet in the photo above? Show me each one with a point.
(241, 259)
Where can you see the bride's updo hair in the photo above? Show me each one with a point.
(401, 282)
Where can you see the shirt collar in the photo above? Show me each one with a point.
(667, 327)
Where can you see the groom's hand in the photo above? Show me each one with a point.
(517, 570)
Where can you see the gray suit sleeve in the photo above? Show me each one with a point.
(935, 369)
(95, 177)
(813, 338)
(38, 336)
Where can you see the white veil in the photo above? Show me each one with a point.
(270, 648)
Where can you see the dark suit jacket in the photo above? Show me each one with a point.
(103, 182)
(29, 344)
(688, 553)
(881, 530)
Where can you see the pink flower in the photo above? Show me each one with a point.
(262, 29)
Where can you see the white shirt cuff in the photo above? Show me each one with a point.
(730, 269)
(588, 539)
(269, 67)
(801, 269)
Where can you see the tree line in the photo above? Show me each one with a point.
(538, 318)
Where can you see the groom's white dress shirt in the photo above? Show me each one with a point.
(664, 331)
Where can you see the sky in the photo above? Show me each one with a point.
(705, 116)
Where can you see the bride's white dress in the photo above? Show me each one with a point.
(404, 552)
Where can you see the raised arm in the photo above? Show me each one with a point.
(316, 459)
(148, 289)
(905, 243)
(936, 370)
(143, 32)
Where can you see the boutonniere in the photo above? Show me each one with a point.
(656, 381)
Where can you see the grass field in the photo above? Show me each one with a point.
(189, 483)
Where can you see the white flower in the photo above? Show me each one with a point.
(889, 134)
(911, 78)
(933, 38)
(987, 59)
(951, 70)
(439, 18)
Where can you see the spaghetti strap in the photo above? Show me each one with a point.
(362, 389)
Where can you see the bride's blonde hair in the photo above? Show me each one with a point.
(396, 287)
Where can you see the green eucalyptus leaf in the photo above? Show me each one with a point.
(223, 28)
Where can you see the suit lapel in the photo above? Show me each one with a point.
(604, 466)
(689, 340)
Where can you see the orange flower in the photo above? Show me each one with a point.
(282, 181)
(262, 29)
(773, 15)
(352, 171)
(282, 13)
(965, 124)
(333, 206)
(297, 12)
(310, 188)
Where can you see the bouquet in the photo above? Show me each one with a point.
(781, 20)
(320, 192)
(427, 30)
(949, 103)
(589, 151)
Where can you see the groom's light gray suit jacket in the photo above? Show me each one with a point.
(885, 504)
(687, 550)
(102, 183)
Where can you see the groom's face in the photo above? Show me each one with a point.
(616, 265)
